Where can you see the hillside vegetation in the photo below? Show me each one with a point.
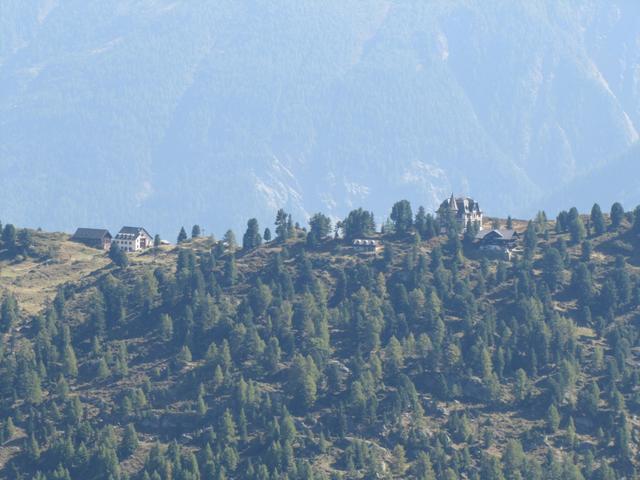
(302, 358)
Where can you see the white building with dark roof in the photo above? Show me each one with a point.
(366, 245)
(133, 239)
(463, 210)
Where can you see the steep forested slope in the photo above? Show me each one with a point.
(302, 358)
(218, 111)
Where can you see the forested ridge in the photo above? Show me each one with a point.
(298, 357)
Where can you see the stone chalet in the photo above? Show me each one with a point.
(133, 239)
(93, 237)
(464, 210)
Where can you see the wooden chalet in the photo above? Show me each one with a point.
(499, 237)
(93, 237)
(499, 242)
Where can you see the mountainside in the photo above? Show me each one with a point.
(220, 110)
(307, 358)
(617, 179)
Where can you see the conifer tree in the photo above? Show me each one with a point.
(420, 222)
(319, 225)
(118, 256)
(359, 223)
(184, 357)
(302, 382)
(228, 431)
(231, 271)
(129, 443)
(553, 268)
(283, 226)
(576, 226)
(424, 468)
(597, 219)
(121, 366)
(399, 460)
(319, 228)
(530, 240)
(582, 284)
(586, 251)
(617, 215)
(25, 240)
(402, 216)
(636, 220)
(70, 362)
(103, 369)
(166, 327)
(229, 239)
(9, 237)
(32, 387)
(553, 418)
(562, 222)
(218, 377)
(201, 406)
(182, 235)
(33, 448)
(622, 439)
(9, 429)
(541, 221)
(8, 313)
(251, 238)
(521, 385)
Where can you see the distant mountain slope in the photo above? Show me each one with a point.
(216, 111)
(617, 180)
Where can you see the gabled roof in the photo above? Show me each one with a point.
(365, 241)
(133, 231)
(91, 234)
(504, 234)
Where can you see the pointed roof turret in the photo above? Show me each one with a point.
(452, 203)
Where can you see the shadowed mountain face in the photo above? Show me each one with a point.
(618, 180)
(177, 112)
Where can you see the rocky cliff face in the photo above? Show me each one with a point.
(167, 112)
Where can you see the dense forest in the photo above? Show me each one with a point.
(293, 356)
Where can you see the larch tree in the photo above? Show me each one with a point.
(129, 443)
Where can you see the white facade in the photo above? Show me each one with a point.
(464, 210)
(133, 239)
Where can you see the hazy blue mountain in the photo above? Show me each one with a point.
(618, 179)
(170, 112)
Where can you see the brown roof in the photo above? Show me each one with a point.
(91, 234)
